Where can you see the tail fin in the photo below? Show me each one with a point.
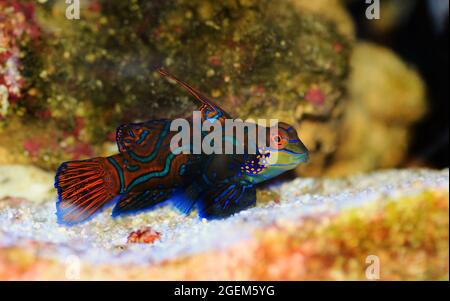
(81, 190)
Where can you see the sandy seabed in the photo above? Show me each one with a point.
(287, 234)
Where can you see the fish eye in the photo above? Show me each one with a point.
(278, 140)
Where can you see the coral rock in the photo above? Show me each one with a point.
(319, 229)
(145, 235)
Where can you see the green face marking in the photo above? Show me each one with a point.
(285, 152)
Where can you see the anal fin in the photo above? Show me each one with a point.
(185, 200)
(226, 199)
(133, 203)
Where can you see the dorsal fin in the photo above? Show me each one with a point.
(140, 138)
(208, 107)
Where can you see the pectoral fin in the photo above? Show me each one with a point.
(225, 199)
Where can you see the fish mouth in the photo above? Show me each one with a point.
(293, 161)
(302, 157)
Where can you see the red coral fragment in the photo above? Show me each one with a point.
(145, 235)
(111, 136)
(95, 7)
(17, 28)
(315, 96)
(158, 32)
(214, 60)
(79, 126)
(337, 47)
(258, 90)
(44, 114)
(178, 29)
(33, 147)
(5, 55)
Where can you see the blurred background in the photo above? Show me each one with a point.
(418, 32)
(364, 94)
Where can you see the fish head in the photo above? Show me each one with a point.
(285, 150)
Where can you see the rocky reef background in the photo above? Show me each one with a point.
(67, 84)
(359, 101)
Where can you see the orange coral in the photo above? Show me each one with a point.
(145, 235)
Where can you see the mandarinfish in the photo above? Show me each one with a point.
(146, 172)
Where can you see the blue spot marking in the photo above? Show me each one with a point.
(214, 118)
(240, 194)
(208, 182)
(228, 200)
(224, 193)
(141, 139)
(182, 170)
(132, 167)
(155, 151)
